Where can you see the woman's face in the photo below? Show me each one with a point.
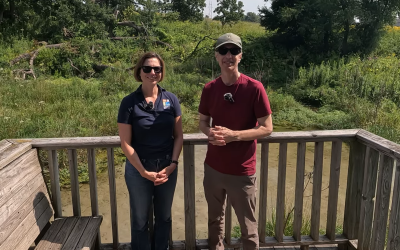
(152, 66)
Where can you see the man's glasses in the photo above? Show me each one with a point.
(147, 69)
(234, 51)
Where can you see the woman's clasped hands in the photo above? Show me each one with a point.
(160, 177)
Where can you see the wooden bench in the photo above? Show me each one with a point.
(25, 207)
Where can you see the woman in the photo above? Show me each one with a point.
(150, 129)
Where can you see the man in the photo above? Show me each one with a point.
(241, 113)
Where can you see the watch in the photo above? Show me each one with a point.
(176, 162)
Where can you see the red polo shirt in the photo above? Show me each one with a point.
(250, 102)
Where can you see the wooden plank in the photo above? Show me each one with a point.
(90, 233)
(113, 196)
(20, 171)
(76, 233)
(298, 203)
(29, 228)
(305, 240)
(382, 202)
(394, 221)
(262, 215)
(73, 171)
(336, 157)
(48, 241)
(189, 197)
(11, 205)
(381, 144)
(55, 183)
(93, 187)
(280, 200)
(4, 144)
(12, 222)
(12, 152)
(368, 198)
(228, 221)
(355, 178)
(195, 139)
(316, 194)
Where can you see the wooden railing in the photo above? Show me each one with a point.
(372, 162)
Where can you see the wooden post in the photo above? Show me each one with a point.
(384, 189)
(353, 192)
(113, 197)
(55, 183)
(299, 191)
(280, 200)
(316, 194)
(262, 216)
(394, 222)
(368, 198)
(73, 171)
(189, 189)
(93, 189)
(336, 157)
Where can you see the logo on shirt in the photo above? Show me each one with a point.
(166, 103)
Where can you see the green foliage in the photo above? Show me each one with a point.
(189, 10)
(229, 11)
(252, 17)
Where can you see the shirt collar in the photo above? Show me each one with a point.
(139, 89)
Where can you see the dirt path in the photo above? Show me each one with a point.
(201, 208)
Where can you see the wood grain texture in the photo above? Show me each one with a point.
(382, 202)
(317, 187)
(394, 221)
(280, 200)
(113, 196)
(14, 220)
(355, 179)
(195, 139)
(228, 221)
(336, 157)
(12, 152)
(368, 198)
(189, 197)
(381, 144)
(73, 171)
(262, 215)
(55, 183)
(298, 203)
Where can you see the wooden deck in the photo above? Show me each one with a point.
(372, 200)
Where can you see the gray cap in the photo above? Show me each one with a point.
(228, 38)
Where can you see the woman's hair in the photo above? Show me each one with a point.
(141, 61)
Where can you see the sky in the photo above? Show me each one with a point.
(249, 6)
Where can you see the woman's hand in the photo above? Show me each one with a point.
(154, 176)
(162, 176)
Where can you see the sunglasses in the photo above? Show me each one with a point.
(234, 51)
(147, 69)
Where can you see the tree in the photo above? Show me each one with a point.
(325, 27)
(191, 10)
(229, 11)
(251, 17)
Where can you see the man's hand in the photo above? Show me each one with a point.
(224, 134)
(214, 139)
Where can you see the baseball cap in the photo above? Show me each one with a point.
(228, 38)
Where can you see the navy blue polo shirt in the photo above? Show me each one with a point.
(152, 129)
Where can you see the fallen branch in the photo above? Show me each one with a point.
(133, 25)
(30, 54)
(198, 44)
(73, 66)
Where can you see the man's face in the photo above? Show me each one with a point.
(228, 61)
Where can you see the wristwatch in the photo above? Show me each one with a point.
(176, 162)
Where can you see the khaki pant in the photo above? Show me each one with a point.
(242, 194)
